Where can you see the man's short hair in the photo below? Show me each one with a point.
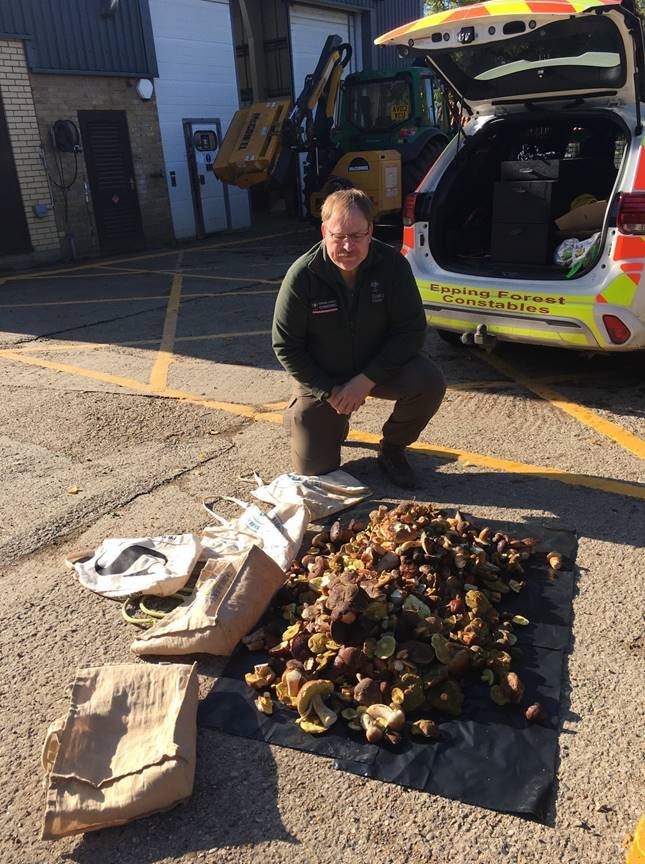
(344, 200)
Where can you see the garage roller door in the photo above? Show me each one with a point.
(196, 57)
(309, 27)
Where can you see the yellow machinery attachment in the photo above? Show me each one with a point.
(252, 144)
(376, 172)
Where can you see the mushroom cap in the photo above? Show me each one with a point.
(367, 692)
(393, 718)
(373, 732)
(309, 690)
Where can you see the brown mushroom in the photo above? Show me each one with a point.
(349, 661)
(367, 692)
(427, 728)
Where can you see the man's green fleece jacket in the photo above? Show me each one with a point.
(323, 338)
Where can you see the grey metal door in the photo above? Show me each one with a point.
(106, 145)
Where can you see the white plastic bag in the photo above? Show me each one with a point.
(323, 494)
(279, 532)
(574, 253)
(141, 565)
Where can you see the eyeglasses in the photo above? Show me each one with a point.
(355, 238)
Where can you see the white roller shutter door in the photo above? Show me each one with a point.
(309, 28)
(195, 54)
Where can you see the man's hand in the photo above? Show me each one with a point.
(346, 398)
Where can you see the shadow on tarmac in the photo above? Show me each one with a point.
(599, 515)
(233, 804)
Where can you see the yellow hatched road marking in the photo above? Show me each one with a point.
(94, 346)
(186, 296)
(621, 436)
(165, 356)
(602, 484)
(504, 384)
(94, 301)
(130, 384)
(250, 279)
(104, 274)
(159, 254)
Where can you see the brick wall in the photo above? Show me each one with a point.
(25, 143)
(60, 97)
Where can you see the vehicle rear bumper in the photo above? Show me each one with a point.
(584, 333)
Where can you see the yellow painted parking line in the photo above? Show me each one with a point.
(105, 273)
(563, 378)
(614, 431)
(105, 377)
(165, 355)
(268, 416)
(275, 406)
(504, 383)
(137, 299)
(481, 385)
(508, 466)
(21, 277)
(130, 384)
(132, 343)
(601, 484)
(249, 279)
(95, 301)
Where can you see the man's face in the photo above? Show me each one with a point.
(347, 236)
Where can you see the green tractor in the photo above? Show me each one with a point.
(393, 111)
(376, 131)
(384, 121)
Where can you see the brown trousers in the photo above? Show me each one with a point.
(317, 431)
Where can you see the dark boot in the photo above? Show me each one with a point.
(392, 461)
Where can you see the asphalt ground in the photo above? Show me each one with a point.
(134, 388)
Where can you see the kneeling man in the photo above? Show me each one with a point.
(349, 323)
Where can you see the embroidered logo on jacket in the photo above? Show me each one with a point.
(378, 294)
(323, 307)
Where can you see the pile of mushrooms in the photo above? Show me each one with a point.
(388, 621)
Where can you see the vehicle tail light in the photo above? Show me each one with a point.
(619, 332)
(409, 207)
(631, 213)
(408, 131)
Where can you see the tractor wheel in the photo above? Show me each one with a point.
(332, 184)
(335, 184)
(415, 170)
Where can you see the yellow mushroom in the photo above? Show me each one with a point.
(261, 677)
(311, 707)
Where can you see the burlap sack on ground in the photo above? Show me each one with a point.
(126, 748)
(230, 597)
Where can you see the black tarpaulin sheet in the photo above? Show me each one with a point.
(488, 756)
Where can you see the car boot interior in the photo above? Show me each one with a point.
(507, 200)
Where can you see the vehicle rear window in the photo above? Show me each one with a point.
(575, 54)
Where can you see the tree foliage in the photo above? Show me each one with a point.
(431, 6)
